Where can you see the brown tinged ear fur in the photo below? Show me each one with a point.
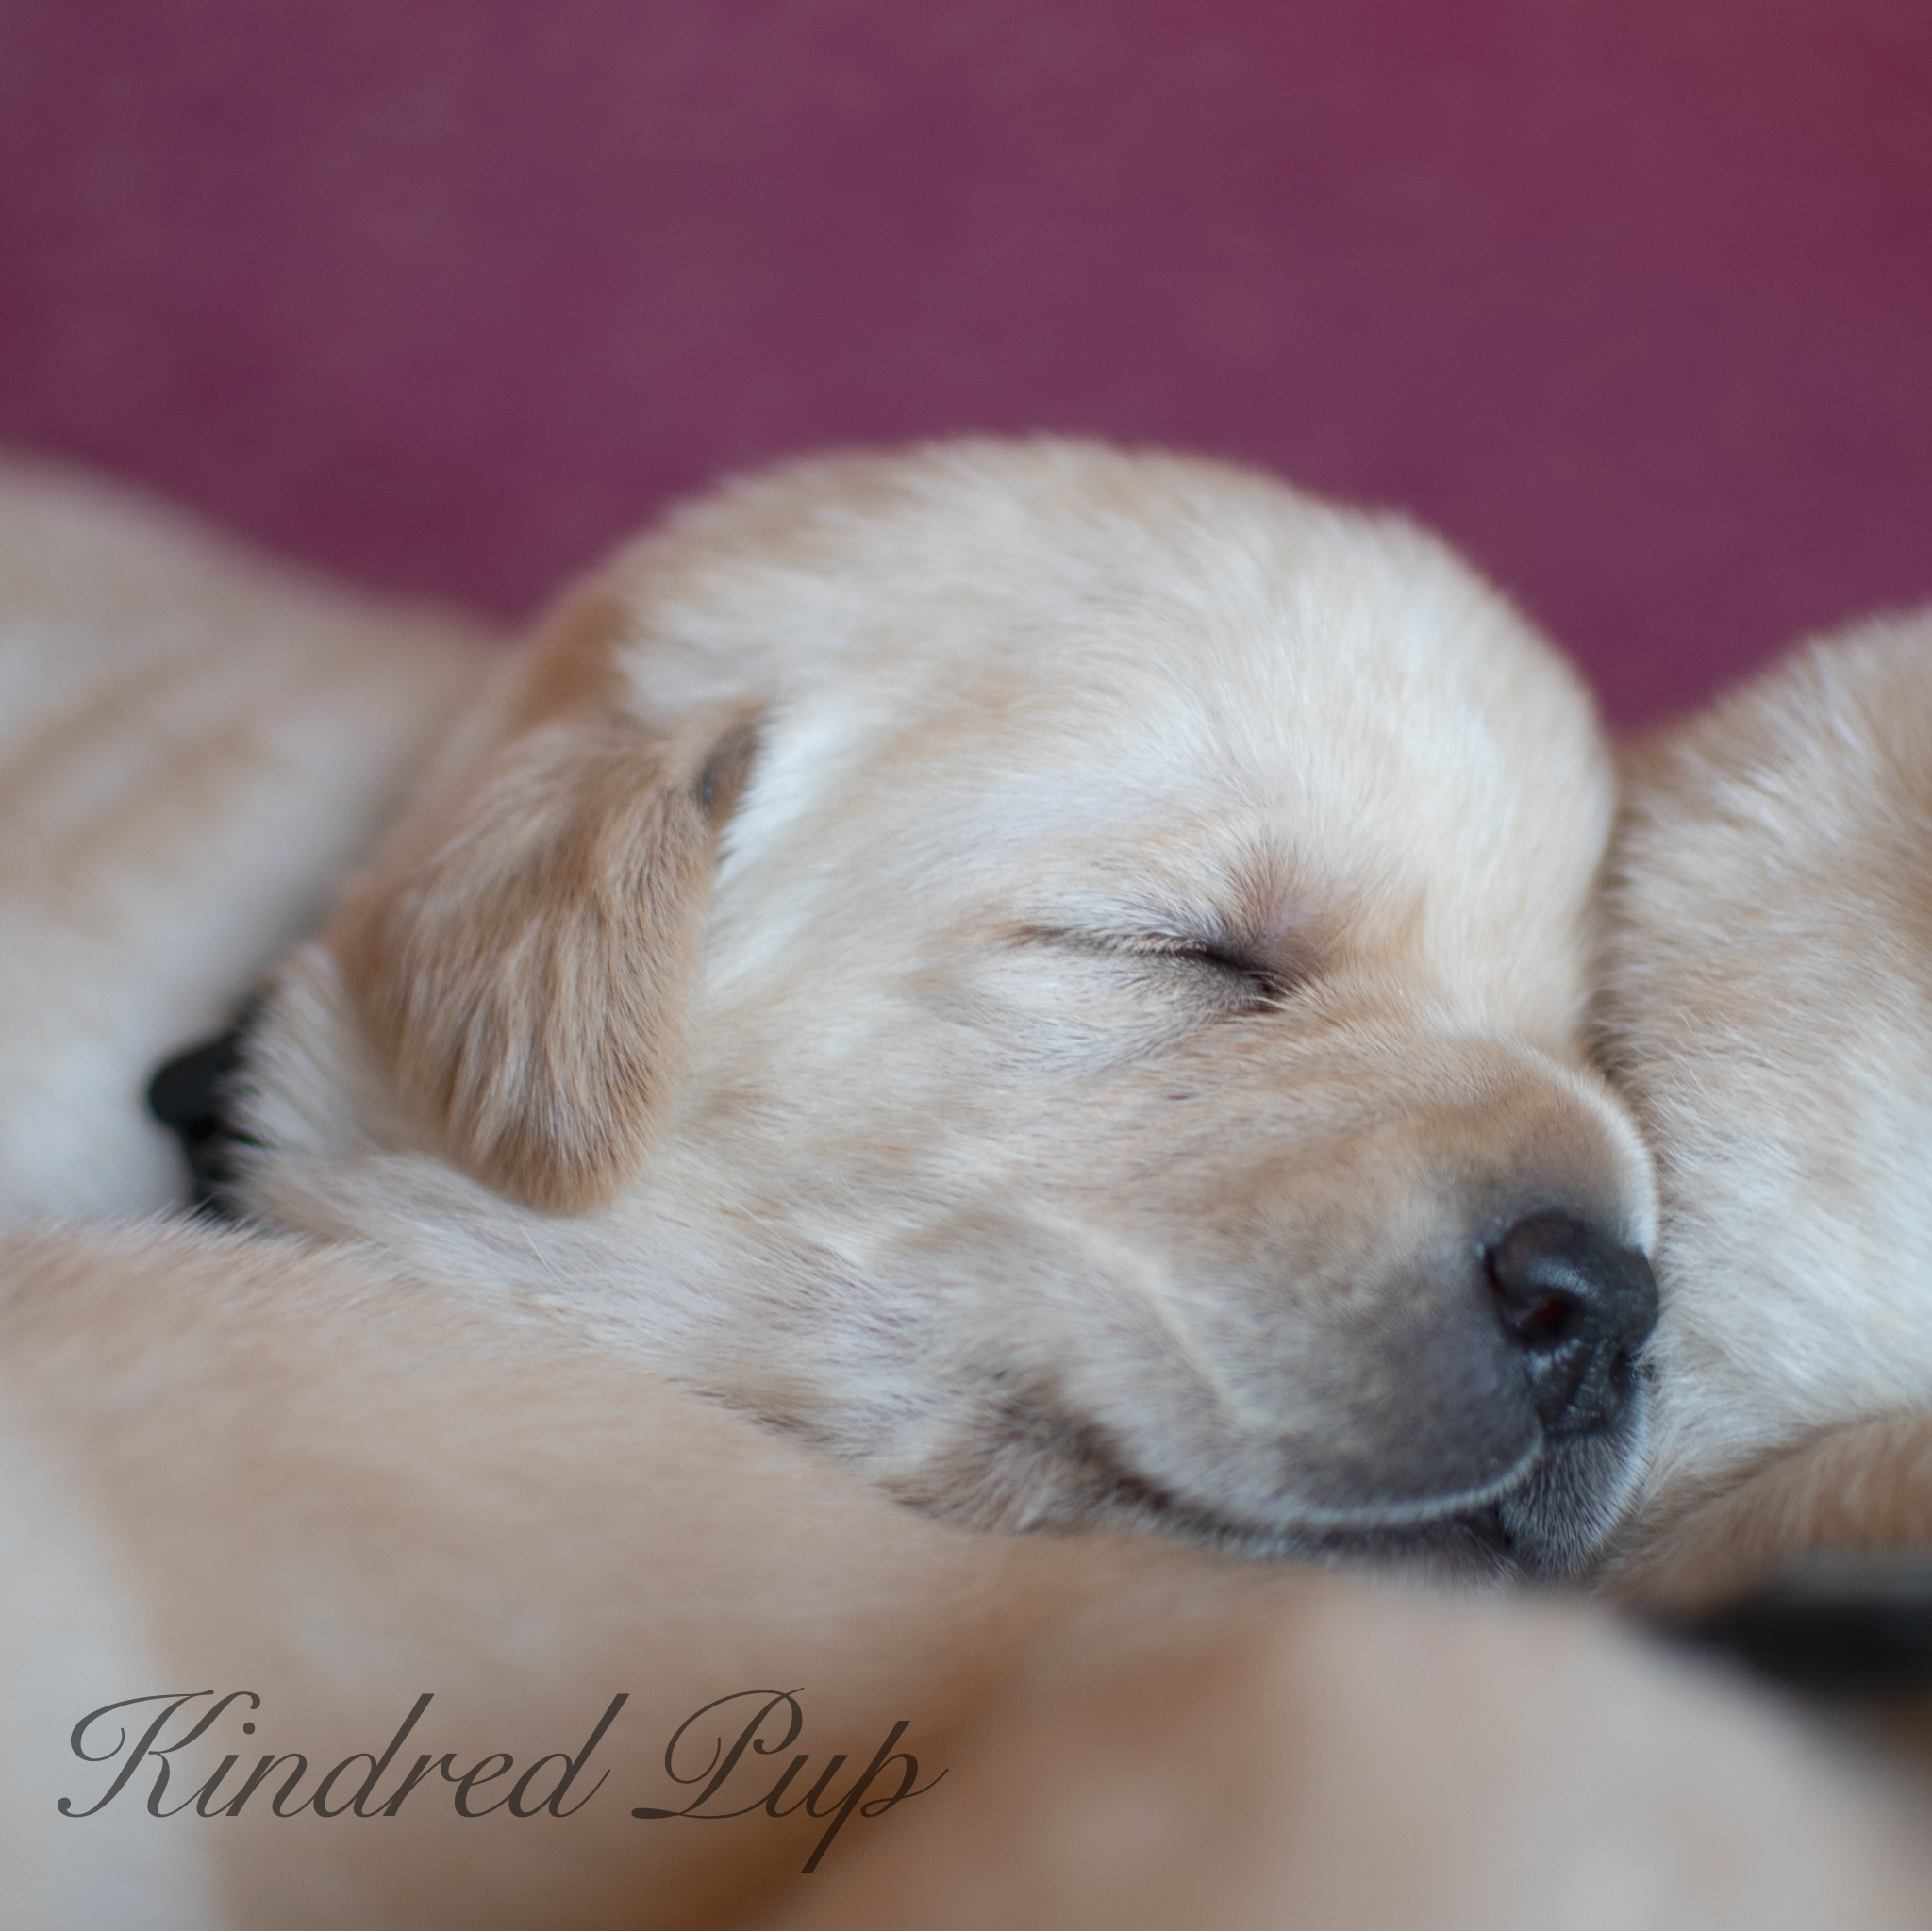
(527, 966)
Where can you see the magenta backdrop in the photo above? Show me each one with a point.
(1635, 302)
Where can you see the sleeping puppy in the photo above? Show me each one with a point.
(1768, 989)
(1053, 973)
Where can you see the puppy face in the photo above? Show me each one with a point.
(1055, 973)
(1767, 988)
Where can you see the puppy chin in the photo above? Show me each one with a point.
(1561, 1522)
(1551, 1525)
(1034, 1466)
(1555, 1523)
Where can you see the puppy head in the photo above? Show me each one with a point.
(1766, 991)
(1117, 1061)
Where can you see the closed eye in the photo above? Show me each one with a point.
(1245, 980)
(1263, 985)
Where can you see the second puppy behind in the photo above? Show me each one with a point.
(1768, 1007)
(1057, 974)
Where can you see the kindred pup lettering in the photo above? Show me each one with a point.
(361, 1785)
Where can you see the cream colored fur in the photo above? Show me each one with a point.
(340, 1478)
(1769, 1005)
(193, 742)
(227, 1464)
(1142, 970)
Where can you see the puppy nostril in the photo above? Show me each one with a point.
(1578, 1305)
(1621, 1372)
(1541, 1321)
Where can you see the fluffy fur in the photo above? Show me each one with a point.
(1767, 991)
(193, 743)
(1084, 1077)
(339, 1480)
(227, 1464)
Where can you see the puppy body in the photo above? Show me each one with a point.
(1860, 1489)
(193, 743)
(1050, 971)
(1768, 989)
(228, 1465)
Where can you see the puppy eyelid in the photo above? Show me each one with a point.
(1225, 956)
(1222, 959)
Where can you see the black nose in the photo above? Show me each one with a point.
(1579, 1306)
(190, 1096)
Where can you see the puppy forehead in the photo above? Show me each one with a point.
(1277, 758)
(986, 648)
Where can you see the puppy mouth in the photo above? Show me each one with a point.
(1533, 1528)
(1459, 1536)
(1472, 1540)
(1546, 1519)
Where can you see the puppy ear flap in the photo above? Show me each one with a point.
(526, 963)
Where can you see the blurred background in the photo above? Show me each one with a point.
(1634, 302)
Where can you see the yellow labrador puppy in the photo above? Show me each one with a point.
(1768, 985)
(1057, 974)
(340, 1587)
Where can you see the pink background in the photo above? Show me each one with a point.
(1634, 301)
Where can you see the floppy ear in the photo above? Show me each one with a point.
(526, 964)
